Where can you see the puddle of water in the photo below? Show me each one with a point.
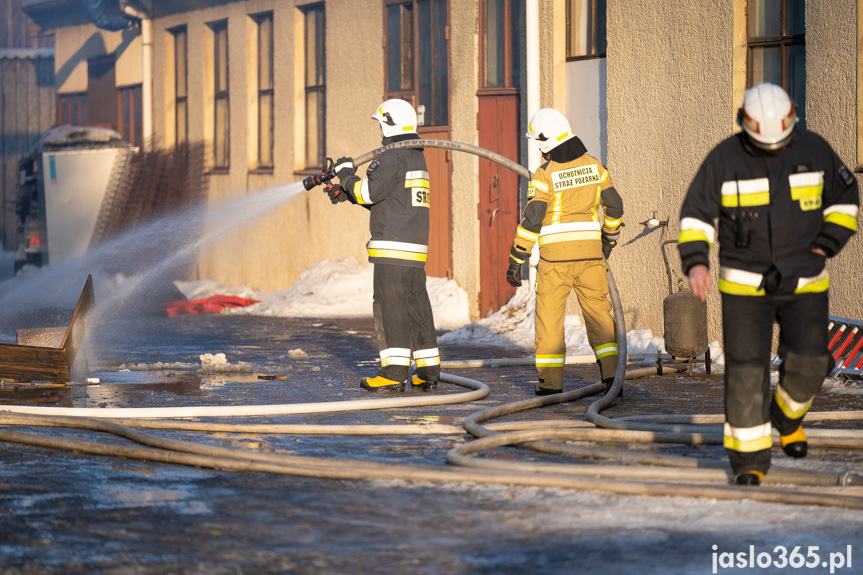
(179, 500)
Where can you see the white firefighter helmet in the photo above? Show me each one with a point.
(549, 128)
(396, 117)
(768, 116)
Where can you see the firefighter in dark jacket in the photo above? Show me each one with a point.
(785, 203)
(396, 192)
(563, 214)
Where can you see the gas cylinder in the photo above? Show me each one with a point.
(685, 317)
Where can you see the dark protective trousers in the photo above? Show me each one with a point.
(747, 330)
(404, 323)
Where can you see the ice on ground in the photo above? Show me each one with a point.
(297, 354)
(158, 366)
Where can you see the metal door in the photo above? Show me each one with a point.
(498, 206)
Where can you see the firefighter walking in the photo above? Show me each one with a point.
(397, 193)
(785, 203)
(563, 214)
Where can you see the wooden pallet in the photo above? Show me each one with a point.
(39, 356)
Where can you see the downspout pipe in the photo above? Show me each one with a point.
(134, 11)
(533, 102)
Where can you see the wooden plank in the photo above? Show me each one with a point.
(78, 324)
(27, 362)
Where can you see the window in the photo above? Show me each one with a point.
(72, 109)
(585, 29)
(221, 108)
(777, 47)
(417, 57)
(315, 85)
(264, 23)
(129, 110)
(502, 54)
(181, 94)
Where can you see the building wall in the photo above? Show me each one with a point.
(27, 109)
(672, 97)
(271, 253)
(464, 107)
(76, 44)
(669, 102)
(831, 110)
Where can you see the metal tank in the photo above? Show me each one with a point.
(685, 320)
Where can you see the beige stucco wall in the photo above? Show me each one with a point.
(672, 96)
(270, 253)
(464, 80)
(669, 101)
(831, 110)
(74, 45)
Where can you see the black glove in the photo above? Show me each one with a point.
(609, 241)
(513, 272)
(335, 193)
(344, 168)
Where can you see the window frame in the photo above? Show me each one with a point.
(315, 164)
(129, 110)
(221, 95)
(181, 100)
(412, 95)
(511, 43)
(593, 51)
(71, 106)
(265, 92)
(783, 41)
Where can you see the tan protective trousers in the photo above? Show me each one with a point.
(554, 281)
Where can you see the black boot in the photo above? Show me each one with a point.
(749, 478)
(608, 381)
(540, 390)
(795, 444)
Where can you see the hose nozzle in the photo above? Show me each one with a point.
(318, 179)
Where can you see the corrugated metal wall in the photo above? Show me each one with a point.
(27, 109)
(17, 30)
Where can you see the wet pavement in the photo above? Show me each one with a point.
(68, 512)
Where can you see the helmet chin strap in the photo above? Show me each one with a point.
(774, 147)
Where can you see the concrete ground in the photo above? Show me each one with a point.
(68, 512)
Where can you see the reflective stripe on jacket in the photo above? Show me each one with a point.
(768, 210)
(397, 192)
(563, 211)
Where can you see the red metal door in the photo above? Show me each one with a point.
(439, 262)
(498, 206)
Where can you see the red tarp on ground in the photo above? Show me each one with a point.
(212, 304)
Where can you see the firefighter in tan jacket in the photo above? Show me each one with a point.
(575, 214)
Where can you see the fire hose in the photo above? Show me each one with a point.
(662, 478)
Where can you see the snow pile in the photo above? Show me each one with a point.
(510, 326)
(513, 326)
(340, 288)
(218, 363)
